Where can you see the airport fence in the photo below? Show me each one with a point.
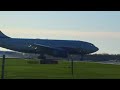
(32, 69)
(20, 68)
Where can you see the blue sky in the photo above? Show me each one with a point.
(98, 27)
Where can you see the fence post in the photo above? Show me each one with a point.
(3, 66)
(72, 66)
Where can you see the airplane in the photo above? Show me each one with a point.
(56, 48)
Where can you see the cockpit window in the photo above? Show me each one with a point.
(91, 45)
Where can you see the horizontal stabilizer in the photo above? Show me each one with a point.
(3, 35)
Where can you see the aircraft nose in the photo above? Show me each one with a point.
(96, 48)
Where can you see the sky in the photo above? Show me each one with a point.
(102, 28)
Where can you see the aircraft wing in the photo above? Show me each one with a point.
(42, 47)
(48, 50)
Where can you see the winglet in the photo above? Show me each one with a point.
(3, 35)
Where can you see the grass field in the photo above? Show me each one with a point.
(20, 69)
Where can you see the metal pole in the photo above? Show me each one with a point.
(72, 66)
(70, 57)
(3, 65)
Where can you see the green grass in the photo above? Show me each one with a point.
(20, 69)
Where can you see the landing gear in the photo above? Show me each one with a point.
(43, 60)
(82, 56)
(42, 56)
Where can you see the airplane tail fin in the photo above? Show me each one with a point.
(3, 35)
